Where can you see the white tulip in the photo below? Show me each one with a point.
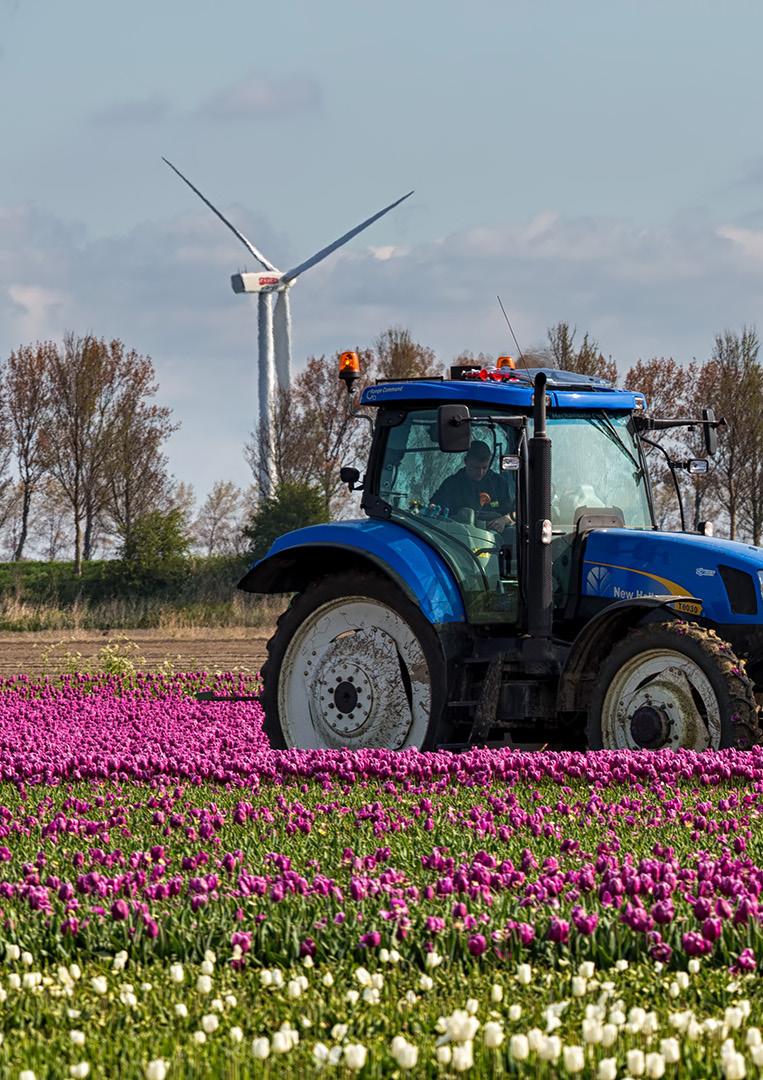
(80, 1070)
(293, 989)
(120, 961)
(338, 1032)
(281, 1042)
(328, 979)
(426, 982)
(77, 1037)
(207, 967)
(236, 1035)
(199, 1037)
(156, 1070)
(363, 976)
(587, 969)
(14, 981)
(12, 953)
(524, 974)
(574, 1059)
(635, 1062)
(231, 1001)
(756, 1053)
(261, 1048)
(733, 1066)
(607, 1069)
(181, 1010)
(210, 1023)
(27, 1074)
(100, 984)
(320, 1053)
(204, 984)
(693, 965)
(579, 986)
(593, 1032)
(444, 1054)
(352, 997)
(550, 1049)
(519, 1047)
(734, 1017)
(462, 1057)
(492, 1033)
(655, 1066)
(405, 1054)
(670, 1050)
(177, 973)
(515, 1012)
(355, 1055)
(433, 960)
(753, 1037)
(496, 993)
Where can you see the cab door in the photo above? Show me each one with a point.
(478, 540)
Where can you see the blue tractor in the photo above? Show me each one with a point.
(496, 593)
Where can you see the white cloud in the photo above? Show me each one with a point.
(39, 311)
(258, 97)
(748, 242)
(136, 112)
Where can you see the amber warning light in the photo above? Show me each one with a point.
(505, 362)
(349, 369)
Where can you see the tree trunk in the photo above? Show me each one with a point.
(25, 506)
(77, 547)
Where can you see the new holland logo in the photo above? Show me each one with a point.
(598, 580)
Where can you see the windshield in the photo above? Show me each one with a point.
(596, 463)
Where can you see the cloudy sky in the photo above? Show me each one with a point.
(593, 161)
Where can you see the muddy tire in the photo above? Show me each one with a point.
(353, 664)
(675, 685)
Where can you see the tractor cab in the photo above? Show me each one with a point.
(466, 493)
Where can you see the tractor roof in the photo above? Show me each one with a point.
(507, 388)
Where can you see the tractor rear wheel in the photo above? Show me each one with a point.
(672, 685)
(353, 664)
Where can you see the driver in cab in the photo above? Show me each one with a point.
(479, 489)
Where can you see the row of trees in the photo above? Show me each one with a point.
(83, 464)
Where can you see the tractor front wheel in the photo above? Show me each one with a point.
(672, 685)
(353, 664)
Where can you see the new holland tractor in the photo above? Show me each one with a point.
(501, 592)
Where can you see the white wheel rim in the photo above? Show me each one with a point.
(353, 676)
(669, 697)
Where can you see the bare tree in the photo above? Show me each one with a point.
(217, 528)
(586, 360)
(85, 383)
(734, 386)
(50, 526)
(398, 356)
(135, 478)
(27, 382)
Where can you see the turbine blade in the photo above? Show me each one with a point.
(265, 263)
(319, 256)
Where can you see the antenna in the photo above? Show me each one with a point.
(506, 317)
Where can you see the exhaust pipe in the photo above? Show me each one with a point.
(539, 586)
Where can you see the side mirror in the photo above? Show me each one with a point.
(711, 433)
(349, 475)
(705, 528)
(697, 466)
(454, 429)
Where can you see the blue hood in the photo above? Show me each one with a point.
(625, 563)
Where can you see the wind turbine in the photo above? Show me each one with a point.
(274, 321)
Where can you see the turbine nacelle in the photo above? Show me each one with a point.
(261, 281)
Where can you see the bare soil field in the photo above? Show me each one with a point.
(194, 649)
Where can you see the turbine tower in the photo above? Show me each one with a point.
(274, 320)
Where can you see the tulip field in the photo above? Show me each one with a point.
(177, 900)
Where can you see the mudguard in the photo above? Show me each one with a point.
(601, 632)
(299, 557)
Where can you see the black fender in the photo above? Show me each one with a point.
(601, 632)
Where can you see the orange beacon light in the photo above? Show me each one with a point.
(349, 369)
